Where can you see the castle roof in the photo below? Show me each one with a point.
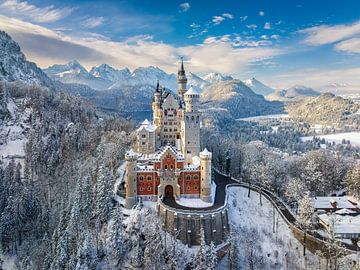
(205, 153)
(192, 91)
(146, 124)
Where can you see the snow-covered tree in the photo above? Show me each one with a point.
(353, 181)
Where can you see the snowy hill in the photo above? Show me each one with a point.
(15, 67)
(238, 99)
(294, 92)
(258, 87)
(196, 81)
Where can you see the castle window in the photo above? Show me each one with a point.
(188, 177)
(143, 143)
(196, 177)
(196, 187)
(149, 178)
(143, 136)
(141, 178)
(165, 129)
(188, 188)
(141, 189)
(171, 167)
(149, 188)
(165, 167)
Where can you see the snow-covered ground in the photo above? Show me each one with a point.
(277, 246)
(198, 203)
(353, 137)
(263, 117)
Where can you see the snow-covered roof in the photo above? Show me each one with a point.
(131, 153)
(146, 124)
(329, 203)
(192, 91)
(342, 224)
(172, 149)
(205, 153)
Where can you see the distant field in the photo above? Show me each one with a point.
(353, 137)
(260, 117)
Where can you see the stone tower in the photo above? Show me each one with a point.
(191, 125)
(130, 178)
(182, 80)
(205, 163)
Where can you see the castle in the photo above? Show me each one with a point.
(167, 160)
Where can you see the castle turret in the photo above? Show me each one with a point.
(130, 178)
(182, 80)
(205, 163)
(190, 128)
(191, 99)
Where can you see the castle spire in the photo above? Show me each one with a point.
(182, 80)
(157, 86)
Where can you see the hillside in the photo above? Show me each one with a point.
(238, 99)
(295, 92)
(15, 67)
(326, 109)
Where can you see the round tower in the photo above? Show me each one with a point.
(205, 163)
(191, 98)
(130, 178)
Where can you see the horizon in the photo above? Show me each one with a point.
(318, 47)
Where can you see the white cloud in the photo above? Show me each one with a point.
(228, 15)
(217, 19)
(252, 26)
(275, 36)
(194, 25)
(184, 7)
(264, 37)
(318, 78)
(94, 22)
(267, 26)
(46, 47)
(27, 11)
(261, 13)
(350, 45)
(325, 34)
(243, 18)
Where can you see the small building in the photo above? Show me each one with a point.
(344, 223)
(333, 204)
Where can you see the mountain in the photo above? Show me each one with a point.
(324, 109)
(295, 92)
(216, 77)
(258, 87)
(109, 73)
(74, 72)
(196, 81)
(238, 99)
(15, 67)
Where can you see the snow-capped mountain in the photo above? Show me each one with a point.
(109, 73)
(216, 77)
(238, 99)
(15, 67)
(293, 92)
(196, 81)
(258, 87)
(74, 72)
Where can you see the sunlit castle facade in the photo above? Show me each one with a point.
(167, 160)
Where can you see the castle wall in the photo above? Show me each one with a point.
(187, 225)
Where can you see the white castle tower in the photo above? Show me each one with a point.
(205, 163)
(130, 178)
(190, 127)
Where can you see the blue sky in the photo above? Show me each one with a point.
(316, 43)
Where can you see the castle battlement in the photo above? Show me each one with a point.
(167, 161)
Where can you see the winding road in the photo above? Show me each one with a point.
(222, 181)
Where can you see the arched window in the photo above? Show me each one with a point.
(149, 178)
(149, 188)
(196, 187)
(188, 188)
(141, 189)
(165, 167)
(141, 178)
(171, 167)
(188, 177)
(196, 177)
